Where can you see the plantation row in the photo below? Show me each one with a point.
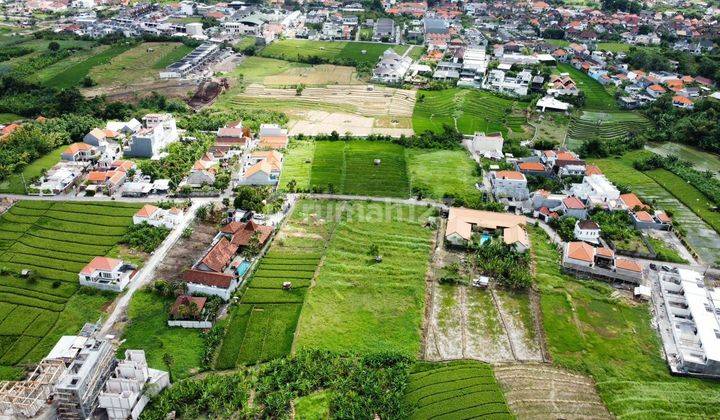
(55, 241)
(603, 127)
(463, 389)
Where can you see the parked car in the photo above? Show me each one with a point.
(666, 267)
(653, 267)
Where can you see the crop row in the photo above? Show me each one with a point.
(6, 341)
(284, 274)
(466, 406)
(274, 283)
(64, 289)
(79, 238)
(18, 320)
(5, 310)
(288, 267)
(440, 387)
(20, 219)
(32, 294)
(33, 204)
(24, 211)
(18, 350)
(90, 218)
(38, 261)
(269, 333)
(63, 246)
(448, 376)
(12, 230)
(328, 164)
(77, 227)
(253, 295)
(31, 302)
(43, 272)
(21, 248)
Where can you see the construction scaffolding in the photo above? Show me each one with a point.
(29, 396)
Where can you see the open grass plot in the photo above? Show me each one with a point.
(74, 74)
(607, 127)
(357, 304)
(297, 164)
(455, 390)
(590, 332)
(667, 191)
(468, 110)
(54, 240)
(360, 168)
(443, 172)
(597, 98)
(147, 329)
(15, 183)
(335, 52)
(262, 326)
(135, 65)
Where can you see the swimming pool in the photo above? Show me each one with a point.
(243, 268)
(484, 238)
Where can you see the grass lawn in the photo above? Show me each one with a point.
(174, 55)
(315, 406)
(74, 74)
(334, 52)
(136, 64)
(597, 98)
(457, 389)
(663, 190)
(443, 172)
(55, 240)
(254, 69)
(357, 304)
(297, 164)
(147, 329)
(558, 42)
(612, 341)
(664, 252)
(469, 110)
(14, 183)
(613, 46)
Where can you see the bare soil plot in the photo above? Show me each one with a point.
(542, 391)
(185, 252)
(325, 74)
(312, 123)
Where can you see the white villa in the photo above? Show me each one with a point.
(106, 274)
(155, 216)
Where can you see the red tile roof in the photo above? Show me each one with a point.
(580, 251)
(532, 166)
(220, 255)
(573, 203)
(207, 278)
(100, 263)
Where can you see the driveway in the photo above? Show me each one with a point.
(147, 272)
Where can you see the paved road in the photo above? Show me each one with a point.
(407, 201)
(146, 273)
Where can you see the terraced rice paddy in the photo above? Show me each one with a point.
(357, 304)
(55, 241)
(606, 127)
(590, 332)
(468, 110)
(335, 52)
(262, 326)
(700, 235)
(596, 97)
(455, 390)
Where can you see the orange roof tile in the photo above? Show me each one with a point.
(581, 251)
(101, 264)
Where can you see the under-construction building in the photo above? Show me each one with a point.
(73, 376)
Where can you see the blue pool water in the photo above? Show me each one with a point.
(484, 238)
(243, 268)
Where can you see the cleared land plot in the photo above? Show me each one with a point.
(596, 97)
(468, 110)
(607, 127)
(262, 326)
(592, 333)
(297, 164)
(14, 183)
(135, 65)
(455, 390)
(73, 75)
(54, 240)
(664, 189)
(335, 52)
(357, 304)
(147, 329)
(323, 109)
(442, 172)
(543, 391)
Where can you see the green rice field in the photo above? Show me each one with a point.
(468, 110)
(54, 240)
(74, 74)
(333, 52)
(597, 98)
(457, 389)
(443, 172)
(357, 304)
(701, 160)
(604, 126)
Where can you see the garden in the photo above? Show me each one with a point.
(54, 241)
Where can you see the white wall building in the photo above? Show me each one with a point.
(155, 216)
(130, 387)
(160, 130)
(392, 67)
(587, 231)
(596, 189)
(509, 184)
(106, 274)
